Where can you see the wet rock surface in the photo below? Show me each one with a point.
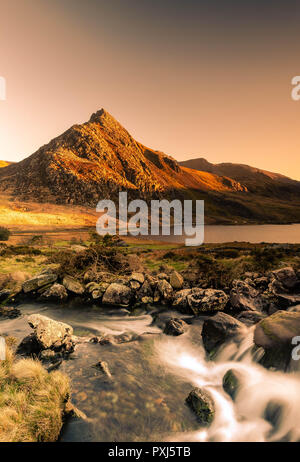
(175, 327)
(218, 329)
(202, 404)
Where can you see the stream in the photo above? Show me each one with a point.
(152, 376)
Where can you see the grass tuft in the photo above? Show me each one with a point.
(32, 401)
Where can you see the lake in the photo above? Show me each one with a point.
(281, 234)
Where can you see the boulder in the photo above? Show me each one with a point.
(51, 334)
(218, 329)
(139, 277)
(274, 334)
(232, 381)
(72, 285)
(163, 291)
(39, 281)
(175, 327)
(117, 294)
(208, 300)
(203, 405)
(245, 297)
(286, 277)
(180, 300)
(176, 280)
(145, 290)
(197, 300)
(56, 293)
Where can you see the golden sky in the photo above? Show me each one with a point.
(194, 79)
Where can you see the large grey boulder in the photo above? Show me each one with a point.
(197, 300)
(218, 329)
(117, 294)
(51, 334)
(72, 285)
(203, 405)
(39, 281)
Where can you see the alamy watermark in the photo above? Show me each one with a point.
(136, 218)
(2, 88)
(296, 88)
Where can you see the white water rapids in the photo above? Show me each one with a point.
(242, 419)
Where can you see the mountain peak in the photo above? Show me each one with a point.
(103, 118)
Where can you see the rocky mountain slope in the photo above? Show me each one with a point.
(99, 158)
(254, 179)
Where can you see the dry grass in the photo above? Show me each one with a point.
(20, 215)
(32, 401)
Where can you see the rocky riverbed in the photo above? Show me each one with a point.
(153, 358)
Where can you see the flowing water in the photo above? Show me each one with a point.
(152, 376)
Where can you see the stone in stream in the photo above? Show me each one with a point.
(232, 382)
(273, 413)
(72, 285)
(274, 334)
(175, 327)
(202, 404)
(218, 329)
(50, 334)
(55, 293)
(103, 367)
(9, 312)
(39, 281)
(117, 294)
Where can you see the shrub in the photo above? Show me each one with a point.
(97, 257)
(4, 234)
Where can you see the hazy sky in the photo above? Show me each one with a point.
(191, 78)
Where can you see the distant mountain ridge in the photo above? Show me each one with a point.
(256, 180)
(99, 158)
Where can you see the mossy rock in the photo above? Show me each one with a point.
(203, 405)
(232, 383)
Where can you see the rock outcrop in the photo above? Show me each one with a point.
(218, 329)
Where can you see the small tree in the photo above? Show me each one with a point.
(4, 233)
